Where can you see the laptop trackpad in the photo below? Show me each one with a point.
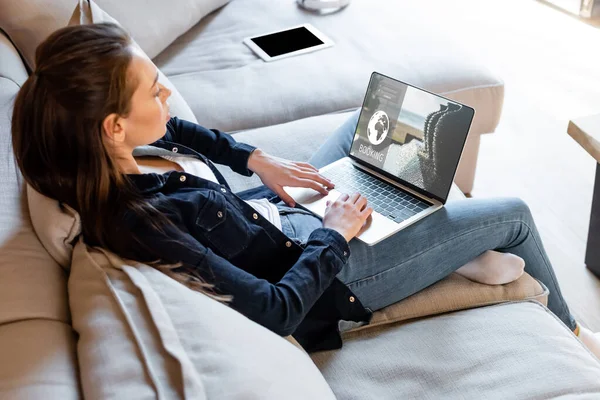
(377, 227)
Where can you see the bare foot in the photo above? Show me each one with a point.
(591, 340)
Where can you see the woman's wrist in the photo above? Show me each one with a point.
(256, 158)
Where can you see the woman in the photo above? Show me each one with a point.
(78, 124)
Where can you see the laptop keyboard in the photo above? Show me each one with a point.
(384, 198)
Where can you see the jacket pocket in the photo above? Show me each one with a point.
(226, 230)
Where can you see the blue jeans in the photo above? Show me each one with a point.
(434, 247)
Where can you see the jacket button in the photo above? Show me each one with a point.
(288, 244)
(220, 214)
(174, 149)
(182, 178)
(352, 299)
(255, 216)
(223, 190)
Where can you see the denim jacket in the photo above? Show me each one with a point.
(288, 287)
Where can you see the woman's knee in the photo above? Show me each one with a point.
(484, 211)
(516, 210)
(517, 207)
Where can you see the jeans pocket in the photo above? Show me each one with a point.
(301, 226)
(286, 226)
(285, 210)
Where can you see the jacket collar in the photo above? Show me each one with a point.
(149, 183)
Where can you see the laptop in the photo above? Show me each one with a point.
(404, 155)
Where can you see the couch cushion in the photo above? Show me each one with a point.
(153, 24)
(508, 351)
(228, 87)
(11, 65)
(36, 340)
(143, 335)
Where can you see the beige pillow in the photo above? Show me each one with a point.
(57, 228)
(154, 24)
(144, 335)
(454, 293)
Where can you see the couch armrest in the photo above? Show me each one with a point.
(37, 343)
(39, 361)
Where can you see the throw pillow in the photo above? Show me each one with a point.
(144, 335)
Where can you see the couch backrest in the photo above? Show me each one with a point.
(35, 331)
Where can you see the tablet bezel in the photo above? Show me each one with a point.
(256, 49)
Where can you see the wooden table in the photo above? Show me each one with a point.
(586, 132)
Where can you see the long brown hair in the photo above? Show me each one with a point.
(81, 77)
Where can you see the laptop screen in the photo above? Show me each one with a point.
(412, 135)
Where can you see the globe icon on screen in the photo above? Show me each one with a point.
(378, 127)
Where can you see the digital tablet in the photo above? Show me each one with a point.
(296, 40)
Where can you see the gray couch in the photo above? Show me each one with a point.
(507, 350)
(236, 90)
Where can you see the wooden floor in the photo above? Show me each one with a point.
(550, 63)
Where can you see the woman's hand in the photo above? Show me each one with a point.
(277, 172)
(347, 215)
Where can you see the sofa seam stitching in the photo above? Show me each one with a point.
(10, 80)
